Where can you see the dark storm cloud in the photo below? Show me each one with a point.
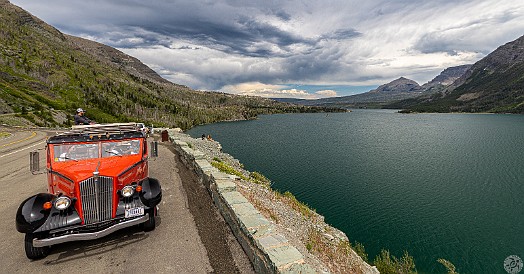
(342, 34)
(284, 16)
(245, 37)
(225, 28)
(212, 43)
(313, 66)
(435, 42)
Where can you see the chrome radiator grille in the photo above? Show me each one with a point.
(97, 199)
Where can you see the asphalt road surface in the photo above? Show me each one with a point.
(191, 236)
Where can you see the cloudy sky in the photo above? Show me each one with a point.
(291, 48)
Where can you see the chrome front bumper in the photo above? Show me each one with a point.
(91, 235)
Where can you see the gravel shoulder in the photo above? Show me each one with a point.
(224, 252)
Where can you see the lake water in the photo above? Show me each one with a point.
(437, 185)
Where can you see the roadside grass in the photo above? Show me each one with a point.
(337, 254)
(254, 177)
(292, 201)
(260, 179)
(222, 166)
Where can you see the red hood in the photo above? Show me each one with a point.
(81, 170)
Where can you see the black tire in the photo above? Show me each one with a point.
(150, 224)
(34, 253)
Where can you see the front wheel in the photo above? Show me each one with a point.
(150, 224)
(33, 252)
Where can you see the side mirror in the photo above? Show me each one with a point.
(34, 162)
(154, 149)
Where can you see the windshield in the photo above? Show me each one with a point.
(70, 152)
(120, 148)
(75, 152)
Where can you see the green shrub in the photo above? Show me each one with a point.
(389, 264)
(361, 251)
(309, 246)
(448, 265)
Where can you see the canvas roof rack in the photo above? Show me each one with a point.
(114, 128)
(97, 132)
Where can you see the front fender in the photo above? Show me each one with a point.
(31, 214)
(58, 219)
(151, 193)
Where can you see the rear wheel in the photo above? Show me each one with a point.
(33, 252)
(150, 224)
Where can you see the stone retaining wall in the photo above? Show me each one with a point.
(269, 251)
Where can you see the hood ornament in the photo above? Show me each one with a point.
(96, 174)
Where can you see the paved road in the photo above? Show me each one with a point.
(191, 237)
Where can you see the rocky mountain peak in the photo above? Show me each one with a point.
(449, 75)
(445, 78)
(401, 84)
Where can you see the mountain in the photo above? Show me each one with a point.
(398, 89)
(445, 79)
(385, 95)
(493, 84)
(400, 85)
(395, 90)
(45, 75)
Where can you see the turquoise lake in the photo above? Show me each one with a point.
(437, 185)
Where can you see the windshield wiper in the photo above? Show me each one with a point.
(113, 152)
(67, 158)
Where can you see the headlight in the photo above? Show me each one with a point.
(127, 191)
(62, 202)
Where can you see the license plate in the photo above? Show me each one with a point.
(133, 212)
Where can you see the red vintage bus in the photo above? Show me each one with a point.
(98, 182)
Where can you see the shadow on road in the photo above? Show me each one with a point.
(85, 249)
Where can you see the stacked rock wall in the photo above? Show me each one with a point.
(269, 251)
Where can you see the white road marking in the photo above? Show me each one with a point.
(22, 149)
